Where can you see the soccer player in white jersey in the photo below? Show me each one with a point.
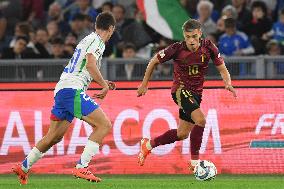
(70, 100)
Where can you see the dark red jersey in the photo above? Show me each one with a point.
(190, 67)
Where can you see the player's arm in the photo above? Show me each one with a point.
(162, 56)
(142, 89)
(226, 78)
(221, 67)
(95, 73)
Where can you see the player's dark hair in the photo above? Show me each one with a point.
(230, 23)
(191, 25)
(104, 20)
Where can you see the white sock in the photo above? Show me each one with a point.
(148, 145)
(90, 150)
(32, 158)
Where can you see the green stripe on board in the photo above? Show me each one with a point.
(82, 65)
(267, 144)
(77, 105)
(175, 15)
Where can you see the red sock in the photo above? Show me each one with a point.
(195, 141)
(167, 138)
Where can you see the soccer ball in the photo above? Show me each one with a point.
(205, 170)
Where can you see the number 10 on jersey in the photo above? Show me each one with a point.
(193, 70)
(73, 61)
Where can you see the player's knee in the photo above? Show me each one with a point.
(106, 126)
(201, 122)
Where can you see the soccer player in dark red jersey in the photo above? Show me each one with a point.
(190, 58)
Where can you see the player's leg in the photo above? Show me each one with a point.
(173, 135)
(90, 112)
(184, 129)
(191, 113)
(181, 98)
(55, 133)
(197, 132)
(196, 136)
(146, 145)
(193, 121)
(168, 137)
(191, 107)
(102, 125)
(60, 121)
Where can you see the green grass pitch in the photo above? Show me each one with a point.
(146, 182)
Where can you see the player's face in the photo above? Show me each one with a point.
(110, 32)
(192, 39)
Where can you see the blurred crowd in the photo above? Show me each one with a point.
(52, 28)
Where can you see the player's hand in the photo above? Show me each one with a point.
(141, 90)
(102, 94)
(111, 85)
(231, 89)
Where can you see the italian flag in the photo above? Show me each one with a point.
(164, 16)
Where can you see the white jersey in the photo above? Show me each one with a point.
(75, 74)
